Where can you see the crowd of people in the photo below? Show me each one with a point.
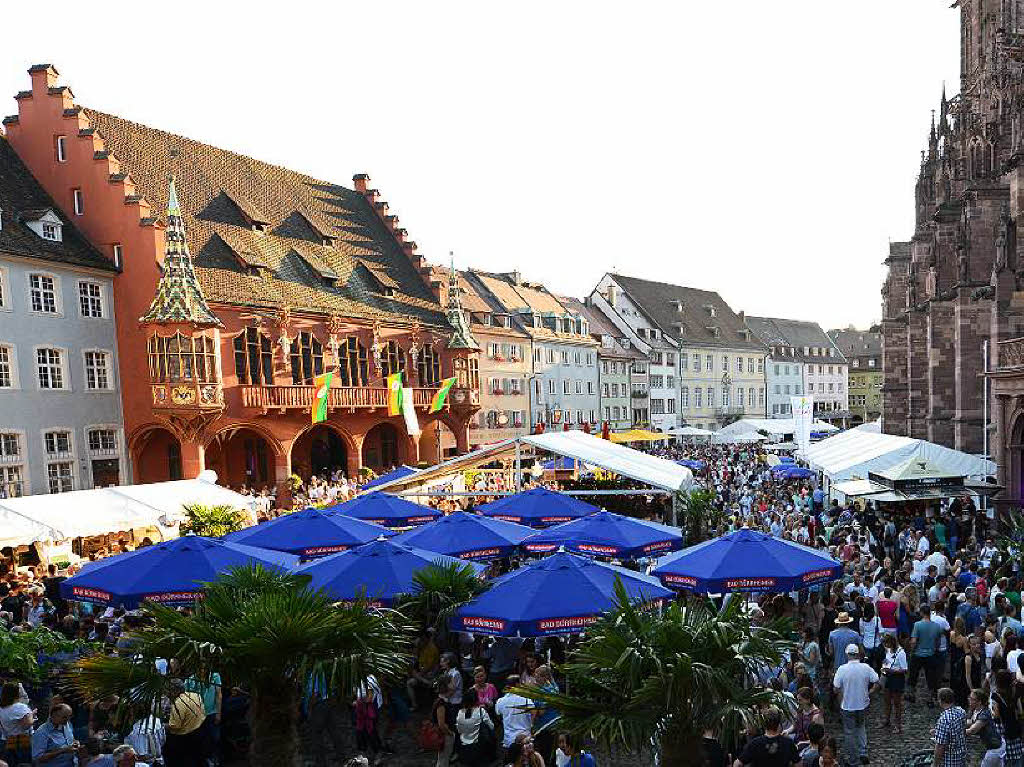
(926, 613)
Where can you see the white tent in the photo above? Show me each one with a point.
(774, 427)
(592, 450)
(723, 437)
(108, 510)
(854, 453)
(690, 431)
(872, 427)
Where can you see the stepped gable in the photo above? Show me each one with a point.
(21, 199)
(264, 235)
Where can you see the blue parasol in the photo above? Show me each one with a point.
(606, 534)
(467, 536)
(310, 533)
(690, 463)
(171, 573)
(562, 463)
(560, 594)
(400, 473)
(789, 471)
(537, 507)
(787, 459)
(747, 560)
(379, 571)
(384, 509)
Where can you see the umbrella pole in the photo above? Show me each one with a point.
(519, 467)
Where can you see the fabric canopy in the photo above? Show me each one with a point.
(689, 431)
(854, 453)
(384, 509)
(724, 437)
(560, 594)
(467, 536)
(383, 479)
(310, 533)
(170, 573)
(538, 507)
(81, 513)
(747, 560)
(775, 427)
(605, 534)
(380, 571)
(649, 469)
(636, 435)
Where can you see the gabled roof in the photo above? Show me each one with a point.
(689, 315)
(859, 344)
(222, 193)
(517, 298)
(23, 199)
(795, 334)
(602, 326)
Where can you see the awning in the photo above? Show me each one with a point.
(81, 513)
(690, 431)
(855, 453)
(774, 427)
(637, 435)
(649, 469)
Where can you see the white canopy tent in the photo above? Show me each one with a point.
(690, 431)
(773, 427)
(723, 437)
(592, 450)
(852, 454)
(872, 427)
(81, 513)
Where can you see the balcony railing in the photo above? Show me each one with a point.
(1011, 354)
(639, 394)
(301, 397)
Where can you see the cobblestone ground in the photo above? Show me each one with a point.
(885, 746)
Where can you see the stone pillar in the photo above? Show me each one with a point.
(917, 375)
(193, 459)
(282, 475)
(973, 321)
(941, 356)
(412, 450)
(355, 455)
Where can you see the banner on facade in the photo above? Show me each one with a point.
(412, 423)
(803, 417)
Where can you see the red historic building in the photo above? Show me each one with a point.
(240, 281)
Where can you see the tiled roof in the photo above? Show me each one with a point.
(516, 296)
(795, 334)
(601, 326)
(178, 295)
(689, 315)
(23, 199)
(858, 343)
(222, 193)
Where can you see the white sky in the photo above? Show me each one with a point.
(766, 150)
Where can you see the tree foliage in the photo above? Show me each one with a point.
(698, 515)
(439, 590)
(211, 521)
(267, 632)
(30, 655)
(641, 677)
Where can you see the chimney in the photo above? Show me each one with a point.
(381, 208)
(359, 181)
(743, 315)
(44, 77)
(372, 195)
(401, 233)
(610, 294)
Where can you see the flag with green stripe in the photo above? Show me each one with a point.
(441, 396)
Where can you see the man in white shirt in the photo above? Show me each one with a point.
(938, 558)
(857, 681)
(988, 551)
(920, 569)
(923, 546)
(515, 713)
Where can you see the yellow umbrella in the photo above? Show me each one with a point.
(637, 435)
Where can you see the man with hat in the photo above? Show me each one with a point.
(839, 639)
(856, 681)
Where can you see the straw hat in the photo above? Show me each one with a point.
(844, 618)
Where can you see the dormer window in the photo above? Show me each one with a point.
(46, 224)
(710, 310)
(259, 227)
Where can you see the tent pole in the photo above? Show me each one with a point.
(519, 467)
(675, 510)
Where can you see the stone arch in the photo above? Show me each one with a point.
(244, 454)
(385, 446)
(1014, 479)
(155, 451)
(336, 447)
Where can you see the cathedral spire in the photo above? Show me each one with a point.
(461, 337)
(933, 140)
(944, 113)
(178, 295)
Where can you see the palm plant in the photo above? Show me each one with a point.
(212, 521)
(700, 517)
(642, 678)
(441, 589)
(265, 631)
